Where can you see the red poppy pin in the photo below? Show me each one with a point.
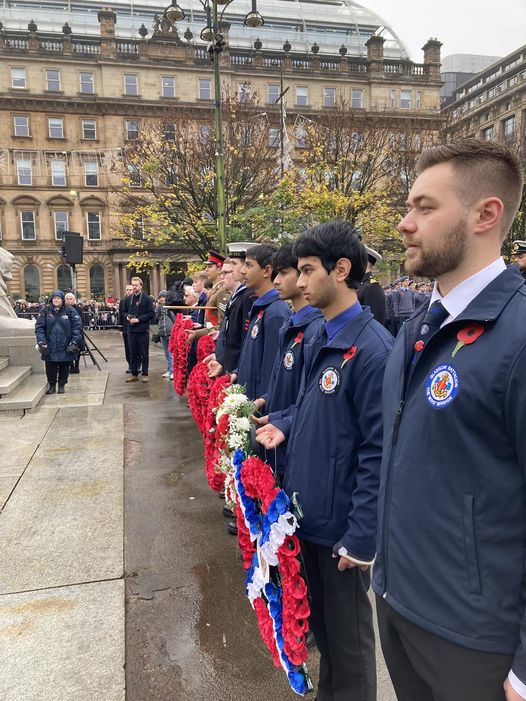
(260, 314)
(468, 335)
(419, 345)
(298, 339)
(349, 355)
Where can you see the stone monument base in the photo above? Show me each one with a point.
(21, 351)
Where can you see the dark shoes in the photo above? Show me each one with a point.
(51, 389)
(232, 528)
(227, 513)
(128, 371)
(61, 389)
(222, 495)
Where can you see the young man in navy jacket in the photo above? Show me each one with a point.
(333, 458)
(265, 320)
(295, 334)
(450, 569)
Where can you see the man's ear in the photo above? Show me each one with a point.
(342, 269)
(268, 271)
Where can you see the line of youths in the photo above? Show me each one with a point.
(438, 436)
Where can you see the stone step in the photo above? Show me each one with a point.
(26, 395)
(11, 377)
(4, 362)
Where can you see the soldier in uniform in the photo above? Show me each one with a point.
(519, 251)
(370, 293)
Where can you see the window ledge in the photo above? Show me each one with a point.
(87, 94)
(56, 138)
(12, 89)
(126, 95)
(53, 92)
(17, 136)
(91, 141)
(165, 97)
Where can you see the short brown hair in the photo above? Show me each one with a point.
(138, 279)
(486, 169)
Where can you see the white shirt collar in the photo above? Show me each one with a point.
(465, 292)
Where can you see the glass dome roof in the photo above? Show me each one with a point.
(329, 23)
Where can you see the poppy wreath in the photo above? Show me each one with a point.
(215, 479)
(274, 582)
(199, 384)
(180, 353)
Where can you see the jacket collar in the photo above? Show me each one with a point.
(489, 304)
(346, 337)
(265, 300)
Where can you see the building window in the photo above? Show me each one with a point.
(58, 173)
(132, 130)
(168, 86)
(21, 124)
(205, 89)
(131, 84)
(91, 173)
(134, 175)
(89, 129)
(64, 278)
(18, 78)
(392, 99)
(205, 133)
(488, 133)
(405, 99)
(52, 81)
(243, 92)
(418, 99)
(274, 137)
(61, 221)
(357, 99)
(170, 131)
(508, 129)
(87, 85)
(32, 283)
(272, 94)
(94, 225)
(27, 225)
(55, 127)
(329, 97)
(96, 281)
(24, 171)
(302, 95)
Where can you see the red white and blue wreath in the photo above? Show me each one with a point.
(274, 583)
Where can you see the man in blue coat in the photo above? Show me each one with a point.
(295, 334)
(265, 320)
(58, 330)
(450, 569)
(333, 458)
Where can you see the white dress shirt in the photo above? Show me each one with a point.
(465, 292)
(455, 302)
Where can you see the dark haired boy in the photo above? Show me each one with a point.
(333, 458)
(295, 334)
(265, 320)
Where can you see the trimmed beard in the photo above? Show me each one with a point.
(432, 263)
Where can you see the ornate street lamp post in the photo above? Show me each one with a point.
(216, 43)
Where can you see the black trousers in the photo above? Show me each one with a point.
(60, 370)
(424, 667)
(126, 347)
(138, 344)
(342, 622)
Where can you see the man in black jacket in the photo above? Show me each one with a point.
(139, 312)
(370, 293)
(123, 323)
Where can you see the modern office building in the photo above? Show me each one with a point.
(457, 69)
(77, 81)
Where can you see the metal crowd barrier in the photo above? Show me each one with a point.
(100, 320)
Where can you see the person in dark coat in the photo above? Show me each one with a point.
(165, 318)
(139, 312)
(58, 330)
(123, 323)
(519, 251)
(71, 301)
(450, 569)
(332, 466)
(370, 292)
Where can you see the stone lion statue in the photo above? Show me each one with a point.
(10, 324)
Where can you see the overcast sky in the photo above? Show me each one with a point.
(486, 27)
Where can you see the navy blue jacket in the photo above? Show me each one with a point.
(260, 343)
(452, 503)
(403, 301)
(142, 308)
(234, 328)
(58, 328)
(335, 437)
(288, 368)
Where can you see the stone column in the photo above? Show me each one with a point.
(375, 54)
(432, 58)
(116, 281)
(124, 277)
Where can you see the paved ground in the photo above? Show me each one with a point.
(190, 634)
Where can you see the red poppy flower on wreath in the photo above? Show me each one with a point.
(349, 355)
(215, 479)
(298, 339)
(180, 355)
(468, 335)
